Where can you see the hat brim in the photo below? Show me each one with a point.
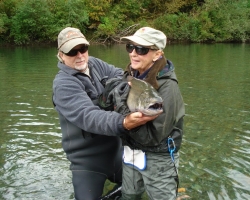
(137, 40)
(72, 43)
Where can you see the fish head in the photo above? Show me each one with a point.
(144, 98)
(150, 103)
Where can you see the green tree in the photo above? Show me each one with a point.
(26, 21)
(7, 11)
(159, 7)
(67, 13)
(29, 24)
(214, 21)
(230, 19)
(121, 15)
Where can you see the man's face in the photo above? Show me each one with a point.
(79, 61)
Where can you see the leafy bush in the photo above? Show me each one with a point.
(29, 24)
(3, 22)
(216, 21)
(27, 21)
(67, 13)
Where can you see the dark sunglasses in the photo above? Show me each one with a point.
(138, 49)
(74, 52)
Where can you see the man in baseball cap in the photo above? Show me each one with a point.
(69, 38)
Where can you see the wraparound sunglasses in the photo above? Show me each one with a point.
(138, 49)
(74, 52)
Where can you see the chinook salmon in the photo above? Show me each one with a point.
(143, 97)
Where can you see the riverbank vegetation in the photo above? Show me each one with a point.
(23, 22)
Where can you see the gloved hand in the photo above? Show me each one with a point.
(105, 100)
(120, 96)
(114, 97)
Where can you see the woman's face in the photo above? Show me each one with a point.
(143, 62)
(78, 61)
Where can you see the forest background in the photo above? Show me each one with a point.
(26, 22)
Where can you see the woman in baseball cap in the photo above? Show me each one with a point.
(161, 138)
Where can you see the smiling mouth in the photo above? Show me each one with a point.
(135, 61)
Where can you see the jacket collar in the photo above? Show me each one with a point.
(67, 69)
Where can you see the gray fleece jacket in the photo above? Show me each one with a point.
(89, 134)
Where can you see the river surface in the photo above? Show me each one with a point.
(215, 155)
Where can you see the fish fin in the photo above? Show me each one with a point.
(158, 66)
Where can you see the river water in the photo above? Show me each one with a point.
(215, 155)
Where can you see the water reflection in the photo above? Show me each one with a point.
(215, 156)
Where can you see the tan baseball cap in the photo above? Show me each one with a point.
(147, 36)
(69, 37)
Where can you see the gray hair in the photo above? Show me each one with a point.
(59, 58)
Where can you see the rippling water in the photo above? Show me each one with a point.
(215, 156)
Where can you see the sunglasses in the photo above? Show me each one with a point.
(138, 49)
(74, 52)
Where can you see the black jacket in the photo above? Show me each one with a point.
(153, 136)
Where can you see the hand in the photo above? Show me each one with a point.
(136, 119)
(114, 97)
(120, 98)
(106, 99)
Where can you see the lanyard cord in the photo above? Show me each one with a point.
(171, 149)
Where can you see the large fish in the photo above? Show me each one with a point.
(143, 98)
